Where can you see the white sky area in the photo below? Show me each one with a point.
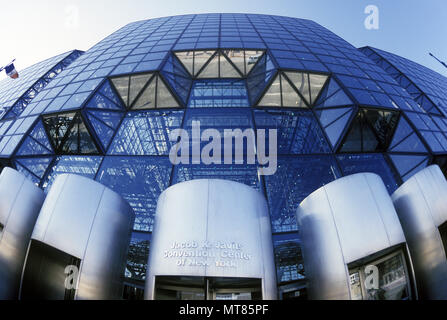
(34, 30)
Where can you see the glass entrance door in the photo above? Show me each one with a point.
(202, 288)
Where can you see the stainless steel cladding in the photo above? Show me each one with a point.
(212, 228)
(341, 223)
(421, 204)
(20, 203)
(88, 223)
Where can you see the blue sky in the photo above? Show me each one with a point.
(35, 30)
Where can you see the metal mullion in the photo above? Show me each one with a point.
(142, 90)
(296, 90)
(233, 65)
(206, 63)
(96, 141)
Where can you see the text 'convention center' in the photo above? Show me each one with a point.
(224, 157)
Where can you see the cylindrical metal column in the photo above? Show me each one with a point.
(341, 223)
(20, 203)
(421, 203)
(79, 245)
(212, 228)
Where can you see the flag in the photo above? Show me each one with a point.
(11, 71)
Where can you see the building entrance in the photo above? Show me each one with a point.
(206, 288)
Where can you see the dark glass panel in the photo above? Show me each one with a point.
(288, 258)
(44, 275)
(373, 128)
(58, 126)
(137, 256)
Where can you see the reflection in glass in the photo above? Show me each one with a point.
(201, 288)
(392, 275)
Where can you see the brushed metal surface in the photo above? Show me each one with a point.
(20, 203)
(91, 222)
(340, 223)
(421, 203)
(200, 215)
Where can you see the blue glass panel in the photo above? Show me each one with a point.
(288, 257)
(109, 92)
(296, 178)
(140, 180)
(105, 124)
(246, 174)
(218, 119)
(174, 66)
(328, 116)
(36, 143)
(298, 131)
(219, 93)
(80, 165)
(432, 142)
(180, 85)
(406, 163)
(332, 96)
(32, 147)
(375, 163)
(101, 102)
(146, 133)
(410, 144)
(423, 165)
(34, 167)
(27, 173)
(260, 76)
(335, 129)
(403, 130)
(138, 255)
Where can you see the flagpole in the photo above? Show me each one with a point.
(1, 68)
